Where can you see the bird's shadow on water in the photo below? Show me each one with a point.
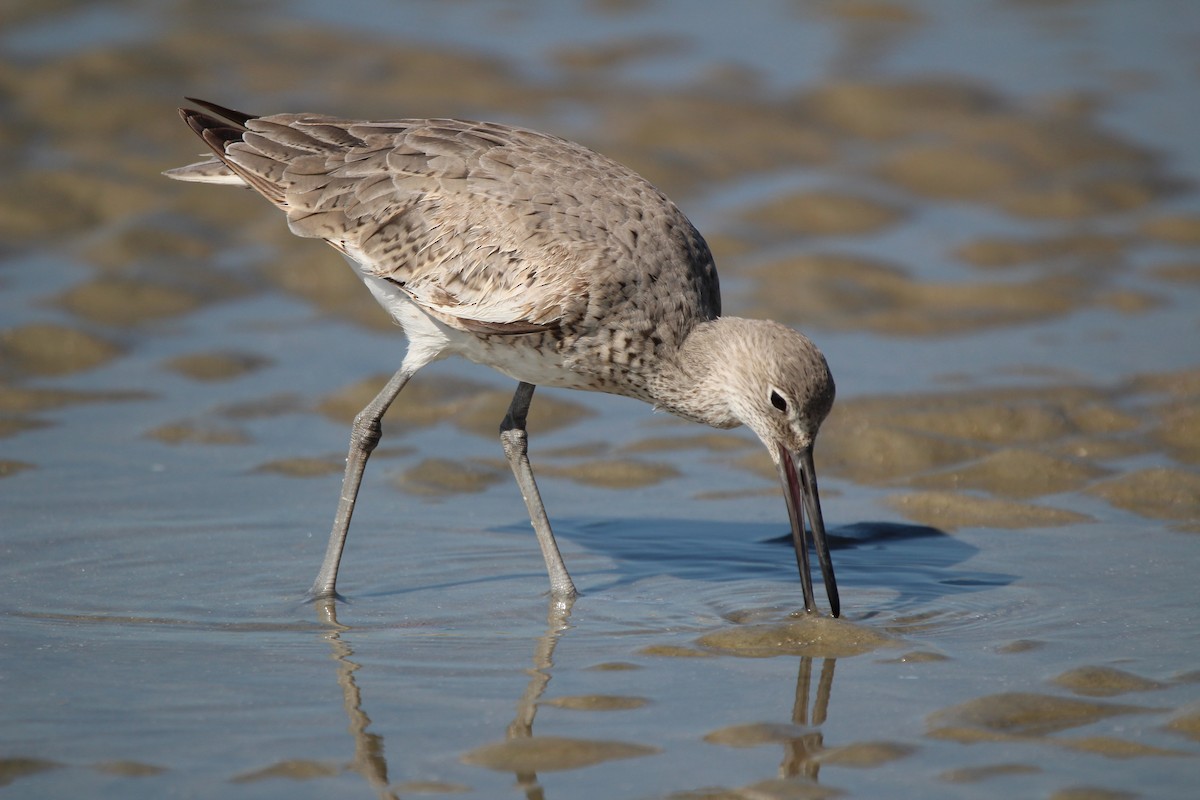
(918, 562)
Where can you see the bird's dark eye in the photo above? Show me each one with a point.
(778, 401)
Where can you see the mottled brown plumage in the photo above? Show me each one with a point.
(542, 259)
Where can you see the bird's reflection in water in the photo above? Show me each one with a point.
(821, 641)
(523, 753)
(557, 621)
(369, 760)
(801, 753)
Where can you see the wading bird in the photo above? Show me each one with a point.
(539, 258)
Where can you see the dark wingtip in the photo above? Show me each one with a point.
(216, 133)
(239, 118)
(196, 121)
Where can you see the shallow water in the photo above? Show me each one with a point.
(986, 216)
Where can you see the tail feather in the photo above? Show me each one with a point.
(240, 118)
(220, 132)
(211, 170)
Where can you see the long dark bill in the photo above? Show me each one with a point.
(800, 492)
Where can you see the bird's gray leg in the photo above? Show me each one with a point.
(515, 441)
(364, 436)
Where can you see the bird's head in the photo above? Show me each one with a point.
(781, 388)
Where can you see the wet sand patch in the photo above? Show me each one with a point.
(1159, 493)
(300, 467)
(128, 769)
(1091, 793)
(1015, 473)
(469, 405)
(951, 172)
(596, 702)
(948, 140)
(49, 349)
(216, 366)
(1069, 250)
(807, 635)
(1130, 301)
(823, 213)
(872, 451)
(16, 767)
(1090, 197)
(1185, 722)
(1104, 682)
(425, 402)
(8, 467)
(917, 657)
(672, 136)
(1181, 384)
(154, 244)
(28, 400)
(1178, 229)
(950, 510)
(674, 651)
(991, 418)
(753, 734)
(886, 111)
(612, 473)
(266, 407)
(608, 55)
(873, 12)
(581, 450)
(615, 666)
(38, 204)
(865, 755)
(12, 426)
(430, 787)
(552, 753)
(125, 302)
(199, 431)
(1181, 272)
(795, 787)
(1019, 444)
(982, 773)
(299, 769)
(1112, 747)
(714, 442)
(844, 292)
(443, 476)
(1020, 714)
(1178, 431)
(310, 271)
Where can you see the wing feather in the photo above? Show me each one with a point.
(495, 230)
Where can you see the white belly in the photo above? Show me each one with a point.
(431, 339)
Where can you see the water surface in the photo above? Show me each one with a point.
(986, 216)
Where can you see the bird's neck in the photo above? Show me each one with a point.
(693, 384)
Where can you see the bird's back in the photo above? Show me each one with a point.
(494, 230)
